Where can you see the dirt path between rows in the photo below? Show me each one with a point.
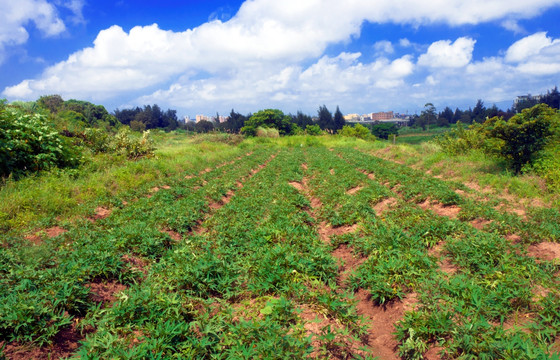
(381, 319)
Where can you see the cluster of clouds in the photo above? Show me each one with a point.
(15, 16)
(272, 53)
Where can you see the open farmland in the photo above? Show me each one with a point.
(276, 251)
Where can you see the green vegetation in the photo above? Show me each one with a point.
(216, 248)
(525, 142)
(173, 245)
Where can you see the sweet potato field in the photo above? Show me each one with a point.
(286, 252)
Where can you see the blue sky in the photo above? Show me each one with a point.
(203, 57)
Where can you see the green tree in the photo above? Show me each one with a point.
(384, 130)
(479, 112)
(338, 121)
(53, 103)
(271, 118)
(204, 126)
(428, 116)
(325, 121)
(524, 135)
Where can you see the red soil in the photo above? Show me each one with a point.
(384, 205)
(104, 292)
(450, 211)
(100, 213)
(65, 343)
(354, 190)
(480, 223)
(545, 251)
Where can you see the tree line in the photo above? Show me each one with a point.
(430, 117)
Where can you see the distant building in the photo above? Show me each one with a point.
(352, 117)
(388, 115)
(199, 118)
(528, 97)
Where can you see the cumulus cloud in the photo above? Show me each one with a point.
(384, 46)
(448, 55)
(529, 47)
(15, 15)
(258, 54)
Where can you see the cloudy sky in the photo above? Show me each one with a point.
(208, 56)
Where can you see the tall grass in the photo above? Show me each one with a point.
(49, 197)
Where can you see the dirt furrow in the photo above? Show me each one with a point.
(380, 339)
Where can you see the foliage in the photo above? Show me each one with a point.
(28, 143)
(313, 130)
(132, 146)
(270, 118)
(151, 116)
(325, 121)
(267, 132)
(460, 140)
(358, 131)
(524, 135)
(384, 130)
(338, 120)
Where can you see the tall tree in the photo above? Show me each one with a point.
(479, 112)
(325, 121)
(338, 121)
(428, 115)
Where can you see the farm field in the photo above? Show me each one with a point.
(285, 249)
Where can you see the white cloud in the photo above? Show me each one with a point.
(384, 46)
(529, 47)
(15, 15)
(257, 56)
(513, 25)
(448, 55)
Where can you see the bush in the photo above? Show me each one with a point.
(313, 130)
(524, 135)
(461, 140)
(97, 140)
(132, 146)
(358, 131)
(28, 143)
(267, 132)
(384, 130)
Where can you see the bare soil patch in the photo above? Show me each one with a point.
(166, 187)
(136, 263)
(304, 166)
(172, 234)
(480, 223)
(347, 262)
(315, 324)
(383, 319)
(450, 211)
(433, 353)
(445, 265)
(65, 343)
(331, 171)
(545, 251)
(104, 292)
(297, 185)
(37, 237)
(100, 213)
(354, 190)
(384, 205)
(514, 238)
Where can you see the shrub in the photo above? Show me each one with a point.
(461, 140)
(358, 131)
(132, 146)
(267, 132)
(524, 135)
(97, 140)
(28, 143)
(313, 130)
